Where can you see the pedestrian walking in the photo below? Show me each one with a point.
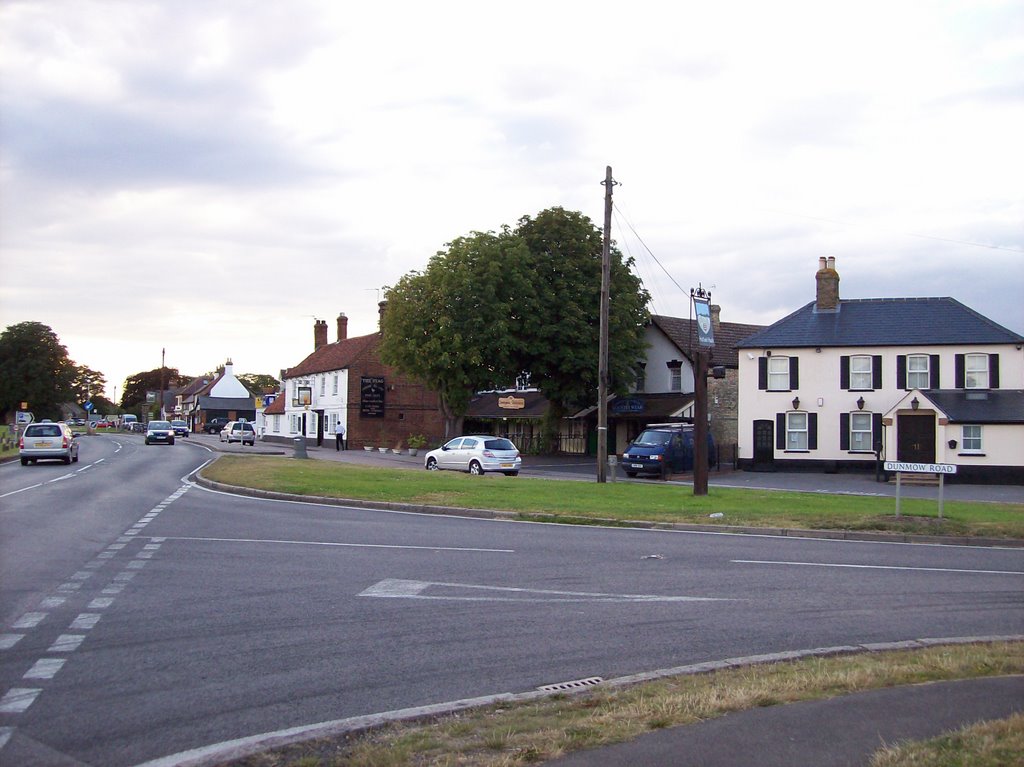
(339, 436)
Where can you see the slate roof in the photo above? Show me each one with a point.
(993, 406)
(336, 356)
(227, 403)
(683, 333)
(883, 322)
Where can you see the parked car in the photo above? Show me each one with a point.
(159, 431)
(48, 440)
(663, 448)
(476, 454)
(138, 426)
(239, 431)
(180, 428)
(215, 425)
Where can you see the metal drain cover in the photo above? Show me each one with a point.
(575, 685)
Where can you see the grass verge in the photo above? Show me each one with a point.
(616, 502)
(534, 732)
(986, 744)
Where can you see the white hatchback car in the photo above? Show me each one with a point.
(239, 431)
(476, 454)
(47, 440)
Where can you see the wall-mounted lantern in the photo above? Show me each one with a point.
(860, 403)
(796, 403)
(952, 444)
(915, 403)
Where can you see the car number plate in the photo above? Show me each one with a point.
(506, 465)
(43, 443)
(636, 465)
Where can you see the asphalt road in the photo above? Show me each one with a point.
(143, 616)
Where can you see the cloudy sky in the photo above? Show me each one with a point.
(207, 176)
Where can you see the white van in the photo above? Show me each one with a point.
(127, 420)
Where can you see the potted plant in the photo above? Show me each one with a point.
(398, 448)
(415, 442)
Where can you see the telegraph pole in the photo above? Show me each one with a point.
(160, 404)
(700, 300)
(602, 372)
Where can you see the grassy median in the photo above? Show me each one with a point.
(534, 732)
(616, 502)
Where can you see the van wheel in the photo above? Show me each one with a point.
(476, 469)
(631, 474)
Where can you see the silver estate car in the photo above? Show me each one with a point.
(48, 440)
(476, 454)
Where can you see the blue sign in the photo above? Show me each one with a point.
(88, 407)
(705, 328)
(628, 405)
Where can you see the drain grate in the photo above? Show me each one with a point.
(575, 685)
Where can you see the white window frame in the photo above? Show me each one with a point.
(797, 433)
(675, 379)
(323, 384)
(860, 372)
(971, 438)
(918, 371)
(277, 424)
(778, 374)
(334, 388)
(976, 371)
(861, 432)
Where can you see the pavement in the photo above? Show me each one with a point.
(835, 732)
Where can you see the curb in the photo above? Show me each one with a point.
(219, 753)
(840, 535)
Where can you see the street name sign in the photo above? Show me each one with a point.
(923, 468)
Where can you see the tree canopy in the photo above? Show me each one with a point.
(137, 384)
(257, 383)
(34, 368)
(493, 305)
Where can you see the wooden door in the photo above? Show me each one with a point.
(915, 438)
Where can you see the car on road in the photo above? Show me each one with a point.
(180, 428)
(159, 431)
(216, 425)
(239, 431)
(477, 454)
(48, 440)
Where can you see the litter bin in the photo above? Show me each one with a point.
(300, 448)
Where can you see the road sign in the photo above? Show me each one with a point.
(88, 407)
(23, 417)
(923, 468)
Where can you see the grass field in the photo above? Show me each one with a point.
(616, 503)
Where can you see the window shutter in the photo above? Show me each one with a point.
(844, 431)
(762, 372)
(780, 431)
(812, 431)
(844, 372)
(876, 431)
(794, 372)
(901, 371)
(993, 371)
(933, 371)
(960, 378)
(876, 372)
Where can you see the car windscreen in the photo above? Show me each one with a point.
(178, 423)
(651, 437)
(159, 425)
(499, 444)
(43, 430)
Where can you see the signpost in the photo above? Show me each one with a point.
(942, 469)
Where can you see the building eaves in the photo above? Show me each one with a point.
(335, 356)
(683, 333)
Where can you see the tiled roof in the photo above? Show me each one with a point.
(336, 356)
(485, 405)
(884, 322)
(995, 406)
(683, 333)
(276, 407)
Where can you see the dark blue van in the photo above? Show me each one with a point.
(663, 449)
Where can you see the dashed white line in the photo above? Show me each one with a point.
(59, 479)
(29, 620)
(85, 621)
(51, 603)
(22, 490)
(18, 699)
(67, 643)
(7, 641)
(45, 668)
(99, 603)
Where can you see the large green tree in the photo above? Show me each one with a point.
(34, 368)
(457, 326)
(136, 385)
(562, 332)
(257, 383)
(87, 383)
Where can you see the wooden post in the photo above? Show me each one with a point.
(602, 373)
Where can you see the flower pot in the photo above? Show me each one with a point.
(414, 451)
(382, 449)
(368, 448)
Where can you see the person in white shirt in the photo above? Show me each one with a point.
(339, 436)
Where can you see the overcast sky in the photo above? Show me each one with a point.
(207, 176)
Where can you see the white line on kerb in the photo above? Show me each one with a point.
(331, 543)
(875, 567)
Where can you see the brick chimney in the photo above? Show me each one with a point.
(716, 312)
(319, 334)
(828, 285)
(342, 326)
(381, 307)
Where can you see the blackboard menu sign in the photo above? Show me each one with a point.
(371, 397)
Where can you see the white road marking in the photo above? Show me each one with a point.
(67, 643)
(85, 621)
(53, 602)
(15, 492)
(7, 641)
(136, 564)
(84, 468)
(69, 586)
(116, 546)
(875, 567)
(124, 577)
(81, 575)
(405, 589)
(100, 603)
(29, 620)
(18, 699)
(45, 668)
(5, 735)
(113, 588)
(59, 479)
(343, 545)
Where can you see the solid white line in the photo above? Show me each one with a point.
(875, 567)
(345, 545)
(18, 699)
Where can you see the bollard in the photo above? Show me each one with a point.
(613, 462)
(300, 448)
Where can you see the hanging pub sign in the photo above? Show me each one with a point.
(705, 328)
(371, 397)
